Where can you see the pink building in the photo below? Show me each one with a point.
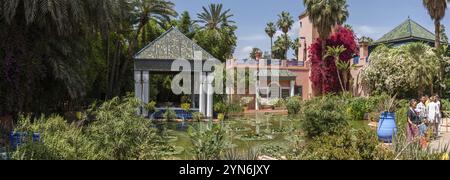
(308, 34)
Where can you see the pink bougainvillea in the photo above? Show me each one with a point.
(324, 74)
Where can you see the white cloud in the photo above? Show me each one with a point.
(244, 52)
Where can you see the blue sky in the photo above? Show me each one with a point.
(371, 18)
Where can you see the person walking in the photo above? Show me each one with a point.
(433, 116)
(413, 121)
(421, 110)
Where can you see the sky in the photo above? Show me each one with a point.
(372, 18)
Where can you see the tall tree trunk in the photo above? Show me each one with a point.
(340, 80)
(437, 27)
(287, 45)
(271, 47)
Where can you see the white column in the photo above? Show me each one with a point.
(201, 93)
(193, 103)
(210, 96)
(138, 88)
(257, 96)
(292, 88)
(145, 90)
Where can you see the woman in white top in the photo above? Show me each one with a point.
(434, 115)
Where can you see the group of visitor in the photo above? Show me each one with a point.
(423, 117)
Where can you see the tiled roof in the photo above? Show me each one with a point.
(172, 45)
(405, 31)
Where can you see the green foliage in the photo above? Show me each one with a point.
(324, 116)
(208, 143)
(113, 132)
(280, 48)
(445, 103)
(235, 107)
(197, 116)
(151, 106)
(217, 36)
(234, 155)
(220, 107)
(169, 115)
(410, 68)
(404, 149)
(252, 54)
(293, 105)
(357, 108)
(346, 145)
(325, 15)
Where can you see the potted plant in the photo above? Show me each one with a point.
(387, 126)
(222, 110)
(186, 108)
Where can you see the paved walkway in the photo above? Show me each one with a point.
(444, 138)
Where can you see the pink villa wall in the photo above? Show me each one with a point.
(307, 35)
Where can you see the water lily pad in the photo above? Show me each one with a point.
(241, 129)
(255, 137)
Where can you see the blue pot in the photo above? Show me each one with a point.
(387, 127)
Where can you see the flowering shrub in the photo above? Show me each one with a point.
(403, 69)
(324, 73)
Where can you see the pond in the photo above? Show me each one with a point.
(243, 133)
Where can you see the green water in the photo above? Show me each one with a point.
(273, 130)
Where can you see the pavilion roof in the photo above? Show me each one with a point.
(408, 30)
(172, 45)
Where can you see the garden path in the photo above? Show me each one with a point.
(444, 138)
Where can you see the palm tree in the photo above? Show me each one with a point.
(285, 22)
(50, 37)
(214, 18)
(325, 15)
(436, 10)
(341, 66)
(270, 31)
(159, 10)
(279, 48)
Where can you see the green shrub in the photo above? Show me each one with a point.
(113, 132)
(151, 106)
(403, 149)
(376, 103)
(234, 107)
(445, 105)
(234, 155)
(347, 145)
(197, 116)
(293, 105)
(208, 143)
(220, 107)
(169, 115)
(324, 115)
(357, 108)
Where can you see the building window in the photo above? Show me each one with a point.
(356, 60)
(285, 93)
(299, 91)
